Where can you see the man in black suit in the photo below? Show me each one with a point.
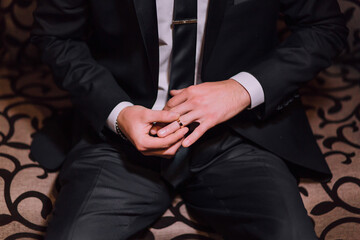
(232, 149)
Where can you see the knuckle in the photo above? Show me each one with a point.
(170, 153)
(211, 117)
(140, 146)
(173, 151)
(190, 89)
(179, 134)
(170, 103)
(175, 125)
(197, 100)
(140, 149)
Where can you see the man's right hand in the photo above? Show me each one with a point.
(136, 121)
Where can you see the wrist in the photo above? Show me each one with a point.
(252, 86)
(119, 123)
(244, 95)
(119, 132)
(110, 121)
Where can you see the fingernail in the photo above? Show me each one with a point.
(162, 132)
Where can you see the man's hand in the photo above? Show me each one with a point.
(136, 121)
(209, 104)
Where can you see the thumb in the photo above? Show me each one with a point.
(162, 116)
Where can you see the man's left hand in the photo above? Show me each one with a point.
(208, 104)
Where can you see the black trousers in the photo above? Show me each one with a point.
(111, 191)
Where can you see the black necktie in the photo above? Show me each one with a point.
(182, 75)
(184, 29)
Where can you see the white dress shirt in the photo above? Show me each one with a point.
(164, 19)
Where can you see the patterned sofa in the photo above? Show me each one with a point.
(28, 97)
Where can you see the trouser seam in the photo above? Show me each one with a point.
(155, 194)
(284, 202)
(86, 201)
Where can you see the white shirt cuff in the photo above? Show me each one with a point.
(111, 120)
(252, 86)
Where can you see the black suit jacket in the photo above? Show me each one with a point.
(106, 52)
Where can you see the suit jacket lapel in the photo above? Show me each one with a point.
(146, 14)
(214, 20)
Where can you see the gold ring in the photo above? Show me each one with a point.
(180, 123)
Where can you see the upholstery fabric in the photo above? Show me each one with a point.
(28, 97)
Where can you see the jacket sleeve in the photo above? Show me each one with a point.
(59, 30)
(318, 34)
